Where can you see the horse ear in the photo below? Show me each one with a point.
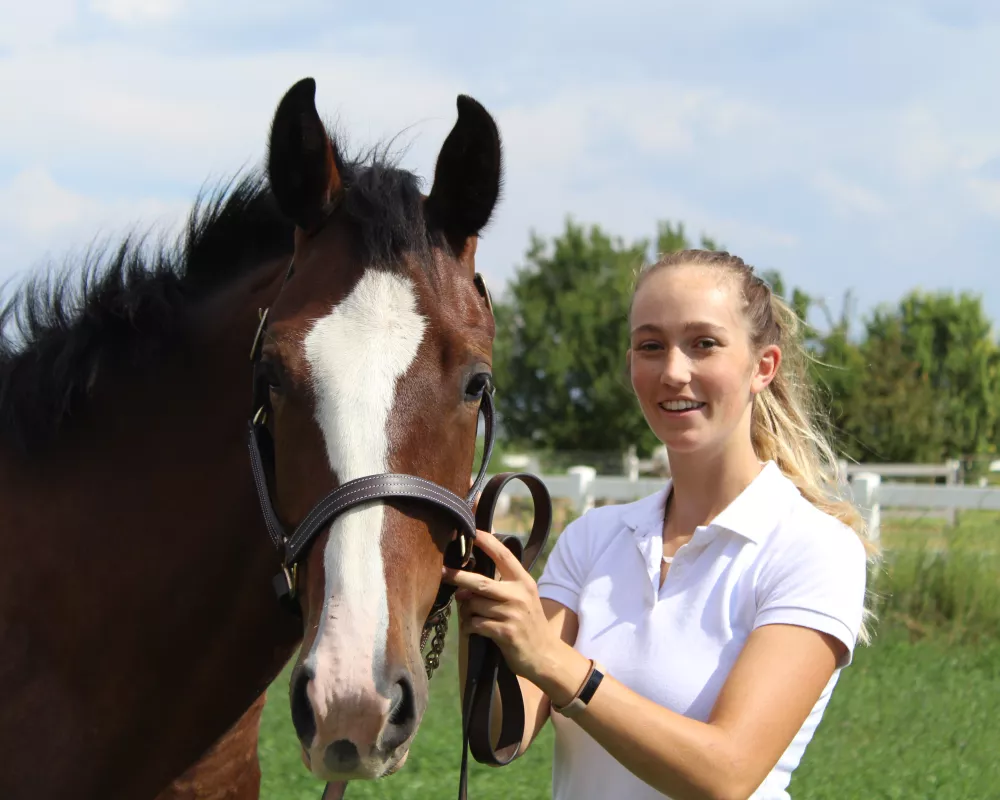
(302, 161)
(468, 175)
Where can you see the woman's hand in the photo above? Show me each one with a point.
(508, 611)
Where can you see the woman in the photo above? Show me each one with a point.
(686, 645)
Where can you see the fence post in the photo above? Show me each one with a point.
(630, 464)
(865, 486)
(951, 479)
(583, 501)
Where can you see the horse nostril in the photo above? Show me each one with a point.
(341, 756)
(403, 706)
(402, 716)
(302, 714)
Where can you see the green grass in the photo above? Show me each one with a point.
(915, 716)
(909, 720)
(942, 579)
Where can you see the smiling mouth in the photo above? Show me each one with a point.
(681, 406)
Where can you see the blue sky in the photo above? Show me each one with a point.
(850, 145)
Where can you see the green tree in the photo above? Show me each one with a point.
(945, 345)
(919, 385)
(562, 334)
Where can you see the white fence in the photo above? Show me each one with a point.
(865, 488)
(871, 496)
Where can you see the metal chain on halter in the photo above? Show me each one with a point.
(439, 624)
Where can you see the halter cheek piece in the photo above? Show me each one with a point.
(486, 667)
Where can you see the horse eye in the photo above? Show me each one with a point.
(480, 383)
(270, 373)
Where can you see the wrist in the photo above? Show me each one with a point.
(561, 673)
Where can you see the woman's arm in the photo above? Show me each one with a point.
(564, 625)
(775, 682)
(770, 691)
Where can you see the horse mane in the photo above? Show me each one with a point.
(124, 305)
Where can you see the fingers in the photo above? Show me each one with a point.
(490, 628)
(475, 606)
(507, 564)
(476, 583)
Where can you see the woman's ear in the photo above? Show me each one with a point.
(768, 361)
(628, 367)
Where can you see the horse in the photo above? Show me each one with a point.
(139, 628)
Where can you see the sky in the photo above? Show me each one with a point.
(851, 145)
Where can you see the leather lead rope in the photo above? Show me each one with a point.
(486, 666)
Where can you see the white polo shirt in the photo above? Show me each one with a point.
(769, 557)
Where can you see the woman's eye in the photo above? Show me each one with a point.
(478, 386)
(706, 344)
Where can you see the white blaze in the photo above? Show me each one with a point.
(356, 354)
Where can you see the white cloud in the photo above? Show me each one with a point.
(182, 117)
(42, 221)
(986, 194)
(36, 205)
(848, 198)
(27, 24)
(137, 11)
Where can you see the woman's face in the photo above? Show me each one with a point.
(693, 368)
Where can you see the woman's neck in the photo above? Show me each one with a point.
(703, 485)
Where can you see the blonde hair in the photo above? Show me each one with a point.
(786, 425)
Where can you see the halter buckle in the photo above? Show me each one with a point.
(260, 418)
(468, 556)
(286, 583)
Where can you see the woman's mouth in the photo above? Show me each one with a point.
(680, 407)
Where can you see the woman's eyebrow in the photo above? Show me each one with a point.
(649, 327)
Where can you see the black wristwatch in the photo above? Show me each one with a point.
(582, 697)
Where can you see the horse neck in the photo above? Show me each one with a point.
(135, 547)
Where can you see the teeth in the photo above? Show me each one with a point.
(680, 405)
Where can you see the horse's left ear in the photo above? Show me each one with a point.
(467, 177)
(302, 161)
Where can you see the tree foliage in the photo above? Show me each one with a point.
(919, 383)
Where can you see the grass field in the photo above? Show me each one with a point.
(916, 716)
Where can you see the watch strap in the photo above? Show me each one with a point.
(580, 700)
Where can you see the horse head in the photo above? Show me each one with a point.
(375, 359)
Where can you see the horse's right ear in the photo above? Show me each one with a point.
(302, 161)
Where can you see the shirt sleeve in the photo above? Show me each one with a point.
(564, 572)
(818, 582)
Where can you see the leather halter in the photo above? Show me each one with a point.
(486, 667)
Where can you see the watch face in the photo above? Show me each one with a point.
(579, 703)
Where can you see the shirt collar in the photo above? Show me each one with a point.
(756, 510)
(753, 514)
(646, 515)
